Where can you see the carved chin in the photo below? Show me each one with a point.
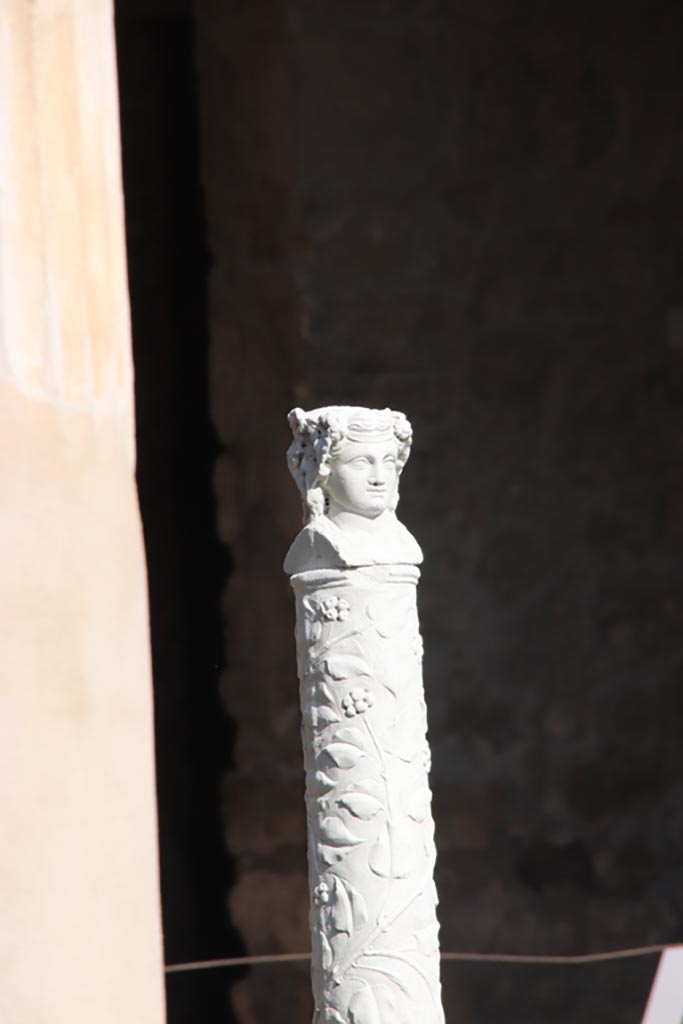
(376, 501)
(373, 508)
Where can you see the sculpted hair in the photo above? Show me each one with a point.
(318, 436)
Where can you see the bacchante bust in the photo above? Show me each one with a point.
(347, 462)
(353, 569)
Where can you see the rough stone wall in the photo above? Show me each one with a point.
(471, 212)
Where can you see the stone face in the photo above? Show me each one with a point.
(474, 215)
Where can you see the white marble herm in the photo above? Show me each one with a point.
(371, 851)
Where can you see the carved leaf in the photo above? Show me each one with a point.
(393, 966)
(361, 805)
(335, 832)
(391, 856)
(363, 1008)
(347, 666)
(388, 618)
(380, 856)
(416, 803)
(342, 755)
(386, 1004)
(328, 855)
(427, 940)
(354, 736)
(325, 693)
(408, 737)
(341, 916)
(326, 951)
(359, 909)
(404, 856)
(318, 782)
(313, 630)
(371, 786)
(323, 716)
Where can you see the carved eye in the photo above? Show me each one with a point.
(390, 460)
(361, 460)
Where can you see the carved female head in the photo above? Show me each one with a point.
(345, 458)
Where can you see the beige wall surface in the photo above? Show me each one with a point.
(80, 937)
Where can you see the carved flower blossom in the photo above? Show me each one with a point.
(335, 609)
(427, 758)
(321, 894)
(418, 647)
(357, 702)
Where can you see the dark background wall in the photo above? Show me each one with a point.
(471, 212)
(187, 565)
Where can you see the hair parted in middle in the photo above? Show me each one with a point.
(318, 436)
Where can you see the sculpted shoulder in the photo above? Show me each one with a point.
(323, 545)
(312, 549)
(407, 546)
